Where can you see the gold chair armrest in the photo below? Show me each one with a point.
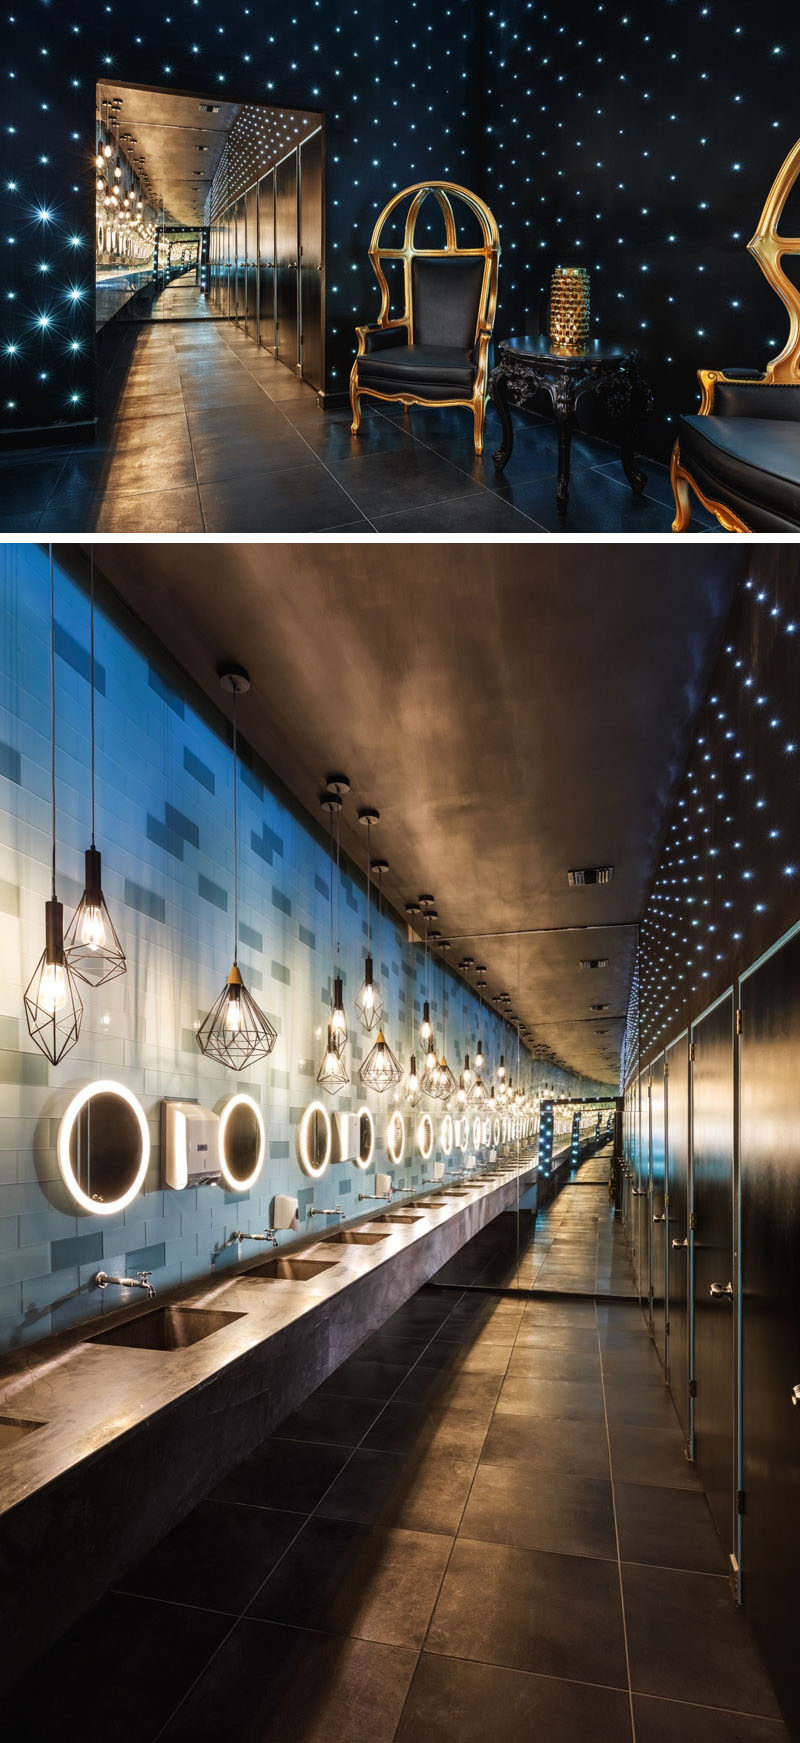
(708, 379)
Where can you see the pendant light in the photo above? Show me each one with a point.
(426, 903)
(369, 1004)
(380, 1068)
(445, 1081)
(91, 945)
(479, 1060)
(235, 1032)
(333, 1073)
(412, 1088)
(53, 1008)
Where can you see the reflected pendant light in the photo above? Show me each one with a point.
(53, 1008)
(380, 1068)
(369, 1004)
(91, 945)
(333, 1074)
(235, 1032)
(413, 1087)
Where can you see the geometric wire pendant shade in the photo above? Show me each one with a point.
(333, 1074)
(91, 945)
(53, 1008)
(235, 1032)
(380, 1068)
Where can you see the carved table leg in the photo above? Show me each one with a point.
(563, 398)
(636, 479)
(499, 398)
(639, 402)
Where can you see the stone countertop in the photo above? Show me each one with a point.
(88, 1395)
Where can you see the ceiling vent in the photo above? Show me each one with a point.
(598, 1007)
(590, 874)
(594, 962)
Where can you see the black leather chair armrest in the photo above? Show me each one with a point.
(383, 338)
(752, 397)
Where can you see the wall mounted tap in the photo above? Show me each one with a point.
(241, 1235)
(337, 1211)
(140, 1281)
(379, 1195)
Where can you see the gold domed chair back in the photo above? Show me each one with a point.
(436, 351)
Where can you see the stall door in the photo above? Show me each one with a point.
(286, 255)
(266, 260)
(714, 1307)
(678, 1234)
(251, 293)
(658, 1208)
(770, 1258)
(311, 259)
(240, 295)
(642, 1193)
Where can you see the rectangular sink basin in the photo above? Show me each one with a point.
(13, 1429)
(432, 1203)
(293, 1270)
(353, 1238)
(400, 1217)
(166, 1328)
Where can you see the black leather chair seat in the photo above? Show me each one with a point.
(749, 461)
(418, 369)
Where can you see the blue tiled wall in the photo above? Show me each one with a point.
(164, 795)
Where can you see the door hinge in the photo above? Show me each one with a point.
(740, 1501)
(691, 1051)
(692, 1223)
(692, 1388)
(666, 1327)
(739, 1021)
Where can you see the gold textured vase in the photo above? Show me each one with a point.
(569, 309)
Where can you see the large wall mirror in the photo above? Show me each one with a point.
(395, 1138)
(242, 1142)
(365, 1138)
(314, 1140)
(103, 1147)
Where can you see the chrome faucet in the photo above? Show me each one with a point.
(241, 1235)
(140, 1281)
(379, 1195)
(337, 1211)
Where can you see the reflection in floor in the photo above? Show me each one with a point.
(182, 300)
(200, 430)
(574, 1244)
(481, 1526)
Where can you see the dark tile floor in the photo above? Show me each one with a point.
(450, 1541)
(201, 431)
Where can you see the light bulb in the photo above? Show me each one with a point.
(338, 1023)
(479, 1059)
(368, 996)
(93, 932)
(501, 1069)
(53, 988)
(431, 1061)
(233, 1015)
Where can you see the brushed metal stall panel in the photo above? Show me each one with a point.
(770, 1260)
(677, 1170)
(642, 1190)
(286, 258)
(311, 259)
(251, 290)
(714, 1319)
(240, 262)
(266, 260)
(658, 1268)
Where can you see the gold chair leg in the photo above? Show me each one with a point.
(355, 403)
(681, 493)
(479, 422)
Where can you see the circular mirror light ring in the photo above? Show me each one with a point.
(395, 1137)
(104, 1087)
(365, 1113)
(477, 1133)
(304, 1156)
(447, 1135)
(241, 1101)
(425, 1137)
(496, 1131)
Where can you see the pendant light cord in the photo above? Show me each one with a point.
(53, 718)
(330, 902)
(338, 891)
(369, 881)
(91, 666)
(235, 843)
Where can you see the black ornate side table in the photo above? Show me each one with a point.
(526, 366)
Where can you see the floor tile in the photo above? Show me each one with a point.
(480, 512)
(326, 1417)
(402, 1426)
(419, 1492)
(667, 1527)
(156, 511)
(688, 1641)
(361, 1378)
(270, 1684)
(676, 1722)
(567, 1515)
(383, 484)
(546, 1444)
(294, 1472)
(650, 1455)
(555, 1614)
(595, 501)
(216, 1558)
(645, 1404)
(454, 1701)
(78, 1682)
(360, 1580)
(529, 1395)
(305, 500)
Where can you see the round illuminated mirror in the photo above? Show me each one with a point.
(476, 1133)
(314, 1140)
(395, 1137)
(487, 1132)
(103, 1147)
(425, 1137)
(242, 1142)
(496, 1131)
(463, 1139)
(365, 1137)
(446, 1136)
(505, 1131)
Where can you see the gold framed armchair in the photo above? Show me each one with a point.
(437, 351)
(740, 453)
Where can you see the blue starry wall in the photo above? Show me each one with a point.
(164, 798)
(727, 885)
(398, 87)
(640, 140)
